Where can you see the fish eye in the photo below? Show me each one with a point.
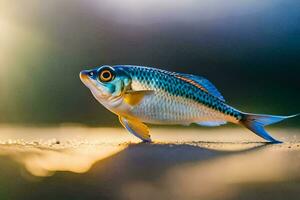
(106, 75)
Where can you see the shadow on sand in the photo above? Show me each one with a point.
(108, 177)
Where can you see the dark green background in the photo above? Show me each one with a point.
(251, 52)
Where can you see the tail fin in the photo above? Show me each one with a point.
(256, 124)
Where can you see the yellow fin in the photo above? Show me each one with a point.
(135, 97)
(137, 128)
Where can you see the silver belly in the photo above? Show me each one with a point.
(163, 108)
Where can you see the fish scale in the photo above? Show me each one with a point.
(175, 100)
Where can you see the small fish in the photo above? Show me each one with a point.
(141, 95)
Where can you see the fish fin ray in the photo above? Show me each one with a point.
(257, 122)
(201, 83)
(211, 123)
(136, 128)
(133, 98)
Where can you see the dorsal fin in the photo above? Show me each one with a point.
(201, 83)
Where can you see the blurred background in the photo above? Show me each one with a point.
(250, 49)
(51, 143)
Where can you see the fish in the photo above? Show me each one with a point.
(141, 95)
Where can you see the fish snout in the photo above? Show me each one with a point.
(86, 74)
(86, 77)
(83, 75)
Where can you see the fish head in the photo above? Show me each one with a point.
(107, 84)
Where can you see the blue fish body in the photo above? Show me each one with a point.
(141, 95)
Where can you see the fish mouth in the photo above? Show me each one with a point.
(85, 78)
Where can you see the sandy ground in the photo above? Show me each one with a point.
(72, 162)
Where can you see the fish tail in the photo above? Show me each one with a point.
(257, 122)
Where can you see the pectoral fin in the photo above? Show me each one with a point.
(137, 128)
(135, 97)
